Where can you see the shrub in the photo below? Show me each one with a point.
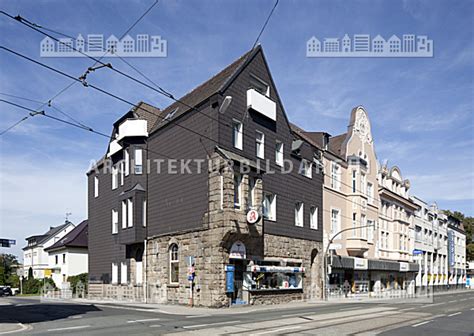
(76, 279)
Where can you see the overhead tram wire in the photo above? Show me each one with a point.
(74, 82)
(102, 91)
(90, 129)
(49, 104)
(265, 24)
(158, 88)
(86, 128)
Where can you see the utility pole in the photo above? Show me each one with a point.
(326, 266)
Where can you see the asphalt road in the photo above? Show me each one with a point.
(451, 314)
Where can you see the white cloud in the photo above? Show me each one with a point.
(36, 194)
(450, 186)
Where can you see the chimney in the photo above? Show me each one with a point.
(326, 141)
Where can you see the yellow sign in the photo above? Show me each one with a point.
(47, 272)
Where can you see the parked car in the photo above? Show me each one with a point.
(5, 291)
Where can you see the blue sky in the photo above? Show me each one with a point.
(421, 109)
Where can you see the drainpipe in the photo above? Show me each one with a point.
(144, 270)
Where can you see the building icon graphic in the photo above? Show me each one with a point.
(361, 45)
(331, 45)
(144, 46)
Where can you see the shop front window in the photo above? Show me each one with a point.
(273, 276)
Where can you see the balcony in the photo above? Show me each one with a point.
(261, 104)
(132, 128)
(356, 246)
(114, 147)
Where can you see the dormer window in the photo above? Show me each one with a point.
(259, 85)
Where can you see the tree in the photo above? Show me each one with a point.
(8, 266)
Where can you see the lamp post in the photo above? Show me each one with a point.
(326, 273)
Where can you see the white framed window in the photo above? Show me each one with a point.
(313, 223)
(129, 212)
(123, 273)
(269, 206)
(335, 172)
(299, 214)
(237, 190)
(124, 214)
(126, 159)
(260, 144)
(138, 161)
(114, 177)
(237, 134)
(363, 184)
(114, 273)
(370, 193)
(259, 85)
(279, 153)
(335, 221)
(122, 172)
(96, 186)
(306, 168)
(354, 181)
(144, 214)
(354, 224)
(251, 191)
(115, 220)
(174, 264)
(363, 229)
(370, 230)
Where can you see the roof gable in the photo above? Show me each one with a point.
(77, 237)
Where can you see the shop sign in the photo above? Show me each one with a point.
(417, 252)
(238, 251)
(276, 269)
(47, 272)
(404, 267)
(361, 263)
(451, 259)
(334, 246)
(253, 216)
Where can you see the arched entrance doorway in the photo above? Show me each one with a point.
(238, 258)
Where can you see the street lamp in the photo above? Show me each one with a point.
(326, 273)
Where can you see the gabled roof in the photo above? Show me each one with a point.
(143, 111)
(77, 237)
(40, 239)
(205, 90)
(335, 143)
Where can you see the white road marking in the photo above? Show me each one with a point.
(70, 328)
(472, 308)
(454, 314)
(75, 317)
(452, 301)
(144, 320)
(421, 323)
(406, 309)
(196, 316)
(208, 324)
(277, 330)
(155, 326)
(23, 328)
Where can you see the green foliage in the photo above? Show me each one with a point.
(76, 279)
(8, 267)
(468, 223)
(33, 286)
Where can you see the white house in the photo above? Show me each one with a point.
(69, 255)
(313, 46)
(112, 44)
(35, 258)
(126, 45)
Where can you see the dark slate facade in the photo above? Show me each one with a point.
(178, 203)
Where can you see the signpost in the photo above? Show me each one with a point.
(7, 242)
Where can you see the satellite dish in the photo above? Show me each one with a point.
(225, 104)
